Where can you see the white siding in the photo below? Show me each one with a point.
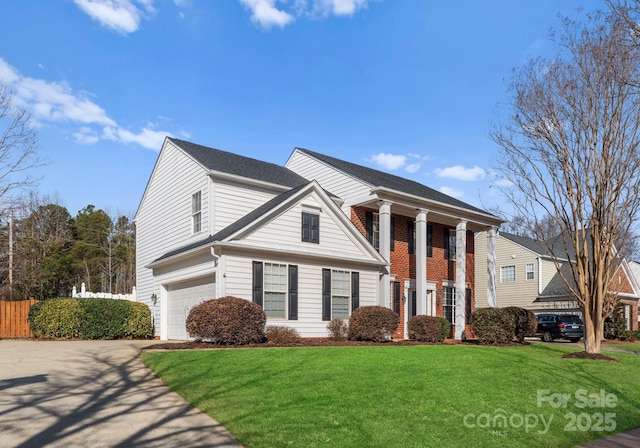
(285, 232)
(309, 323)
(163, 221)
(329, 178)
(233, 201)
(520, 293)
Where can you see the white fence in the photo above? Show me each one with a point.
(103, 295)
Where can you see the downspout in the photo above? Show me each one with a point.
(219, 272)
(539, 275)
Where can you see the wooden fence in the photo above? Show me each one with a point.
(14, 318)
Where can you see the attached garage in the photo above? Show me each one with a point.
(181, 297)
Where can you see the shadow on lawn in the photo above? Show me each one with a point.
(101, 400)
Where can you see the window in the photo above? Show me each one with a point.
(275, 290)
(340, 293)
(507, 274)
(450, 244)
(449, 304)
(196, 212)
(372, 228)
(530, 271)
(429, 240)
(310, 228)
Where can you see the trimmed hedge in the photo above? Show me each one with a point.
(428, 328)
(525, 322)
(372, 323)
(227, 321)
(90, 318)
(493, 325)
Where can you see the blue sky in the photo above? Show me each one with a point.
(406, 86)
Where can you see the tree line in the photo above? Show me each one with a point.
(45, 251)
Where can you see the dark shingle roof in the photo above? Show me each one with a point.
(227, 162)
(236, 226)
(381, 179)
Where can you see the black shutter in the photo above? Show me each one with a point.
(412, 243)
(355, 290)
(393, 233)
(429, 240)
(396, 297)
(446, 244)
(326, 294)
(368, 226)
(306, 227)
(467, 306)
(293, 292)
(257, 282)
(315, 229)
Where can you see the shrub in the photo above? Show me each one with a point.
(615, 325)
(56, 318)
(282, 335)
(428, 328)
(493, 325)
(227, 321)
(372, 323)
(138, 324)
(338, 329)
(90, 318)
(525, 322)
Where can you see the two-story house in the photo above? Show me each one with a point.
(527, 277)
(309, 242)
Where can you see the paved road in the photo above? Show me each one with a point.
(93, 394)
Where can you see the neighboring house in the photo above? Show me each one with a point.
(527, 277)
(309, 242)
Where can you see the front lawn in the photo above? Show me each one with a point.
(407, 396)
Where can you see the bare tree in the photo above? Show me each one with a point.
(18, 147)
(571, 148)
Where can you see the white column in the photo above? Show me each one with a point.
(491, 267)
(384, 220)
(164, 313)
(461, 276)
(421, 263)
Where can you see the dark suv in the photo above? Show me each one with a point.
(557, 326)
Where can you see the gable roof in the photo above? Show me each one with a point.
(526, 242)
(391, 181)
(236, 226)
(227, 162)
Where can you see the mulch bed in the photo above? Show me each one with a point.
(593, 356)
(303, 342)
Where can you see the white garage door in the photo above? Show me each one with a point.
(181, 298)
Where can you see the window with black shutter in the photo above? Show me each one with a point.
(310, 228)
(396, 297)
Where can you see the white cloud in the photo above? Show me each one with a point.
(453, 192)
(412, 168)
(56, 102)
(504, 182)
(339, 7)
(266, 14)
(122, 16)
(389, 161)
(459, 172)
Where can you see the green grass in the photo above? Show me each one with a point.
(411, 396)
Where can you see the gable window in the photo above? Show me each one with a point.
(449, 244)
(196, 212)
(275, 289)
(449, 304)
(507, 274)
(530, 271)
(340, 293)
(310, 228)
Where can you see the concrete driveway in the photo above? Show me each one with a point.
(93, 393)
